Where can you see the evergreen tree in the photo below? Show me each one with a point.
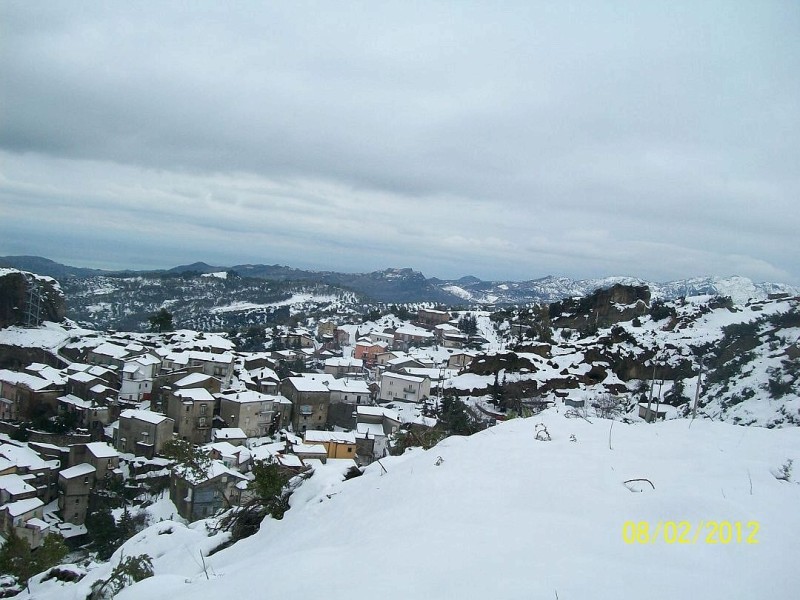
(161, 321)
(17, 559)
(103, 531)
(129, 570)
(189, 457)
(457, 417)
(468, 323)
(269, 481)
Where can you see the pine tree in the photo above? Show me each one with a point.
(161, 321)
(103, 531)
(17, 559)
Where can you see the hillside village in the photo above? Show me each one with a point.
(85, 415)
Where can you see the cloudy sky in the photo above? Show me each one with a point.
(498, 139)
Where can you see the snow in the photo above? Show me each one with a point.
(101, 450)
(313, 436)
(23, 457)
(21, 507)
(143, 415)
(294, 299)
(228, 433)
(80, 470)
(502, 515)
(315, 383)
(32, 382)
(217, 275)
(195, 394)
(15, 485)
(192, 379)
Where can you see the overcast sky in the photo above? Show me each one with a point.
(507, 140)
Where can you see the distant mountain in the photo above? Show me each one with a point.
(198, 267)
(401, 285)
(45, 266)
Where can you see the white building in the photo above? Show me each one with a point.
(136, 383)
(406, 388)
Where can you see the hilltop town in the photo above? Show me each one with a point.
(92, 422)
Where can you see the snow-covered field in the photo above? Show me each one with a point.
(295, 299)
(504, 515)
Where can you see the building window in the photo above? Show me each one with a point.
(203, 408)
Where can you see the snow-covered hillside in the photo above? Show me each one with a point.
(750, 355)
(552, 289)
(504, 515)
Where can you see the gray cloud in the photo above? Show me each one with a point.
(504, 140)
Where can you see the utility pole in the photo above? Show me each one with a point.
(658, 398)
(652, 385)
(697, 391)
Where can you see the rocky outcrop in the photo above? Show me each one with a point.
(602, 308)
(19, 307)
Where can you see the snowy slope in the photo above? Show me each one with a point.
(552, 289)
(502, 515)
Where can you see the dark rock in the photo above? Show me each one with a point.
(14, 296)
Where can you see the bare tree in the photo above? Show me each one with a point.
(608, 406)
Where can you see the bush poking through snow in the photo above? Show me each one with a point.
(128, 571)
(271, 490)
(541, 433)
(784, 473)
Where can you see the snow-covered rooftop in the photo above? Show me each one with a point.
(80, 470)
(143, 415)
(317, 437)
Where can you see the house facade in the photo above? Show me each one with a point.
(137, 376)
(103, 457)
(192, 411)
(310, 399)
(74, 486)
(406, 388)
(337, 444)
(198, 497)
(431, 318)
(23, 394)
(25, 518)
(251, 411)
(343, 366)
(142, 432)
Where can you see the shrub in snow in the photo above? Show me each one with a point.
(541, 433)
(128, 571)
(784, 473)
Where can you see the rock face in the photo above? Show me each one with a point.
(15, 299)
(602, 308)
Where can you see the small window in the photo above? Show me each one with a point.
(350, 450)
(86, 480)
(203, 409)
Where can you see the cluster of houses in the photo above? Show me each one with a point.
(126, 396)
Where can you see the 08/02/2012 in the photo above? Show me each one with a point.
(685, 532)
